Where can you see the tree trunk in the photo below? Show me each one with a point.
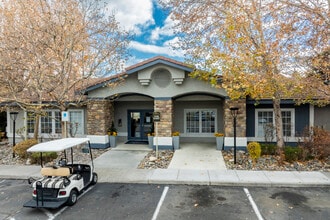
(278, 123)
(64, 129)
(36, 127)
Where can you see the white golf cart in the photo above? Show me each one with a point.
(61, 183)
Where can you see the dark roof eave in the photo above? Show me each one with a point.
(101, 84)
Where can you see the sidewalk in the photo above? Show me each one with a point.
(119, 165)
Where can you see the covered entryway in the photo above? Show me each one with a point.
(140, 123)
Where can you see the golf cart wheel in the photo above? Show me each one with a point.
(73, 197)
(95, 178)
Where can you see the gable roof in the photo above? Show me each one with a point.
(159, 60)
(137, 67)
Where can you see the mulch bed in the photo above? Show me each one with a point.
(272, 163)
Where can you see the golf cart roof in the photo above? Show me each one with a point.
(57, 145)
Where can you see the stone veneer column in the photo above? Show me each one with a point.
(100, 114)
(165, 107)
(240, 120)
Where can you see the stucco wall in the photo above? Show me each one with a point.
(133, 86)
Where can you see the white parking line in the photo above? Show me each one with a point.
(254, 206)
(161, 200)
(53, 216)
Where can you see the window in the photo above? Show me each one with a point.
(58, 119)
(50, 123)
(46, 123)
(192, 121)
(76, 122)
(200, 121)
(30, 121)
(287, 124)
(266, 122)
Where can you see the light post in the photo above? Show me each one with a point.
(13, 116)
(234, 112)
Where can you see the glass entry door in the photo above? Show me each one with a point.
(140, 123)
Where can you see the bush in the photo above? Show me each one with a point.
(268, 149)
(21, 147)
(292, 153)
(254, 150)
(316, 143)
(46, 157)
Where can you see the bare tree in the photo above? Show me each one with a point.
(50, 49)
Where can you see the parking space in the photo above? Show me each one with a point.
(117, 201)
(292, 203)
(142, 201)
(13, 193)
(206, 202)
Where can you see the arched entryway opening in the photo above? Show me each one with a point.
(133, 117)
(197, 116)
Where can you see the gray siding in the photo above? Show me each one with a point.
(322, 117)
(301, 117)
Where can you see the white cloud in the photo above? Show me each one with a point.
(132, 14)
(133, 60)
(155, 34)
(166, 30)
(165, 49)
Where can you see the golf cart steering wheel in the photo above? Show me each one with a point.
(62, 162)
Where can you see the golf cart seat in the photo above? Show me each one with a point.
(50, 171)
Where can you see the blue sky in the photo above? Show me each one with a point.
(151, 25)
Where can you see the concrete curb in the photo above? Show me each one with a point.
(208, 177)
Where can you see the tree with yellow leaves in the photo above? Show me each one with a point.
(257, 48)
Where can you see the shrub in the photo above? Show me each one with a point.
(46, 157)
(254, 150)
(112, 130)
(316, 143)
(292, 153)
(321, 145)
(268, 149)
(218, 134)
(176, 133)
(21, 147)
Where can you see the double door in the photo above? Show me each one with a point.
(140, 123)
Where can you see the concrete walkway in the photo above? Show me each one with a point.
(124, 156)
(188, 166)
(197, 156)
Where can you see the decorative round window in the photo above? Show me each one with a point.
(161, 77)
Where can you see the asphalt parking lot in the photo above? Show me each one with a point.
(143, 201)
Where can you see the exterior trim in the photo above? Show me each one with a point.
(311, 115)
(269, 101)
(160, 60)
(163, 98)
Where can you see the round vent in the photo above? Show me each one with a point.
(161, 77)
